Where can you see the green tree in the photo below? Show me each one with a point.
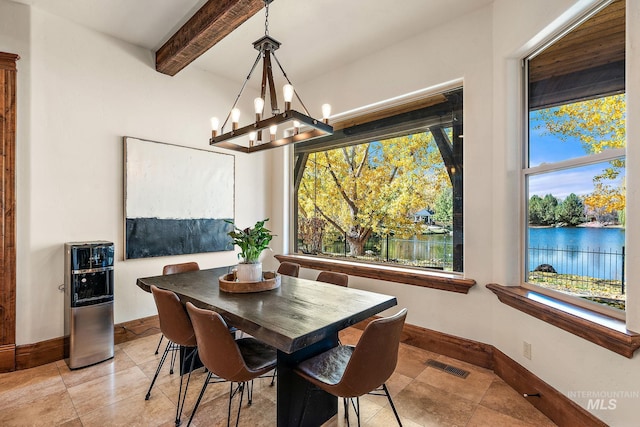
(373, 187)
(535, 210)
(444, 206)
(548, 209)
(571, 210)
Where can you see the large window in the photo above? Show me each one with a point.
(386, 191)
(575, 164)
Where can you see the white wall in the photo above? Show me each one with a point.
(484, 48)
(87, 91)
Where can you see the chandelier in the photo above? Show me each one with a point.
(283, 127)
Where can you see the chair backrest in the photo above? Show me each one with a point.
(289, 269)
(334, 278)
(174, 320)
(374, 358)
(217, 349)
(180, 268)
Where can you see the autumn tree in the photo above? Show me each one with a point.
(599, 124)
(373, 187)
(444, 206)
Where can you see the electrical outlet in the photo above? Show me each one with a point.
(526, 350)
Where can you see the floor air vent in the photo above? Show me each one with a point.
(448, 368)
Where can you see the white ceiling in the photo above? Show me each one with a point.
(327, 33)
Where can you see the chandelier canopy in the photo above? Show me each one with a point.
(283, 127)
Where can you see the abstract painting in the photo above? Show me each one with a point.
(176, 199)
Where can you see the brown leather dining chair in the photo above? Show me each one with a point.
(334, 278)
(175, 269)
(350, 372)
(176, 326)
(238, 361)
(289, 269)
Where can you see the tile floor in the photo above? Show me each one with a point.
(112, 394)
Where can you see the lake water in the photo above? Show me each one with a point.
(584, 251)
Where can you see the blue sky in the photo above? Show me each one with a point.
(545, 148)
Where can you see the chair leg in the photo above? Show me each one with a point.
(182, 397)
(241, 389)
(175, 348)
(204, 387)
(155, 377)
(356, 408)
(346, 409)
(159, 342)
(273, 377)
(250, 393)
(395, 412)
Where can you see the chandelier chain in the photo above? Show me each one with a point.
(266, 18)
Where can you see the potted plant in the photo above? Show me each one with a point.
(251, 241)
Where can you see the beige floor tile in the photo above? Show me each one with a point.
(104, 391)
(386, 418)
(72, 377)
(133, 412)
(21, 387)
(214, 413)
(143, 349)
(483, 417)
(502, 398)
(471, 388)
(170, 389)
(73, 423)
(48, 410)
(412, 360)
(431, 406)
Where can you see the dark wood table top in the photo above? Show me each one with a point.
(297, 314)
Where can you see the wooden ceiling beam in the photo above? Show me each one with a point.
(210, 24)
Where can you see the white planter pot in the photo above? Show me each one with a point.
(249, 272)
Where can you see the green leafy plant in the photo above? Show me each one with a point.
(251, 241)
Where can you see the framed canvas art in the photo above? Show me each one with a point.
(176, 199)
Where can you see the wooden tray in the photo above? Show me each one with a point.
(270, 280)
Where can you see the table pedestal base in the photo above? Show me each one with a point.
(292, 389)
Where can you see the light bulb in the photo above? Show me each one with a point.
(235, 117)
(288, 96)
(252, 138)
(326, 112)
(215, 124)
(272, 130)
(296, 127)
(258, 104)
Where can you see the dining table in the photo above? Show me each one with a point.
(300, 318)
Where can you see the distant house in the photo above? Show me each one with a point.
(425, 216)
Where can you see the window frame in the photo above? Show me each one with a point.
(362, 125)
(526, 171)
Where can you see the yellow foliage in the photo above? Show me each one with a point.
(373, 187)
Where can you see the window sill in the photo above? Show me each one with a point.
(602, 330)
(427, 279)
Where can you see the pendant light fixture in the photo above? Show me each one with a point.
(283, 127)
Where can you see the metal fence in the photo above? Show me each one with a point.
(432, 251)
(581, 267)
